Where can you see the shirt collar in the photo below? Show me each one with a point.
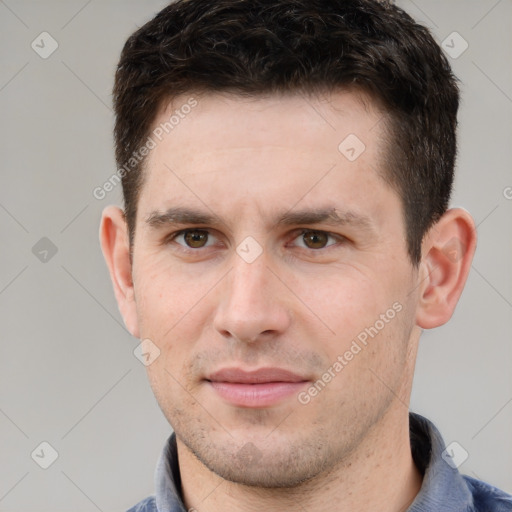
(168, 480)
(443, 488)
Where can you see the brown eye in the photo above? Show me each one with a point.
(315, 239)
(195, 238)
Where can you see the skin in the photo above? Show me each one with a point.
(297, 306)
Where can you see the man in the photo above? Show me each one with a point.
(287, 168)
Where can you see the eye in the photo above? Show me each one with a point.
(193, 238)
(312, 239)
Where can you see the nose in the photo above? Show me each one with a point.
(253, 303)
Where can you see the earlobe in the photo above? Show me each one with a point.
(116, 251)
(448, 251)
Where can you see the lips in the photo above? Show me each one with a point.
(260, 388)
(263, 375)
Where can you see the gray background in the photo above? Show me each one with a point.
(68, 375)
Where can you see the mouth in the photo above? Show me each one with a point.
(260, 388)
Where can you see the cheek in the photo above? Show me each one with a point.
(358, 316)
(342, 301)
(165, 296)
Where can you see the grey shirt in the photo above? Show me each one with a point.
(444, 489)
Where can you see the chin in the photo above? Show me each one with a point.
(265, 467)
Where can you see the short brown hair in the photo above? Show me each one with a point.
(254, 47)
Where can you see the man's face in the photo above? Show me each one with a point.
(252, 294)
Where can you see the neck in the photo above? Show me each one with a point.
(379, 474)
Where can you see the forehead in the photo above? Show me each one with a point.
(293, 119)
(226, 149)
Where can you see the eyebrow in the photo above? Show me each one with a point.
(332, 216)
(180, 215)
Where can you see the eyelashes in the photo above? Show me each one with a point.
(195, 239)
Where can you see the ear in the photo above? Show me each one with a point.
(116, 251)
(447, 253)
